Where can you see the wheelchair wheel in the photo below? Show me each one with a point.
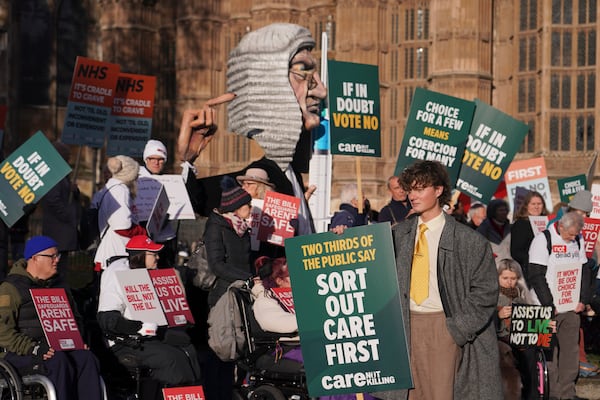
(11, 387)
(237, 395)
(541, 373)
(266, 392)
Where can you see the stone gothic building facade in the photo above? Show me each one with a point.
(533, 59)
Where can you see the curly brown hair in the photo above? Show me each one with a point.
(427, 173)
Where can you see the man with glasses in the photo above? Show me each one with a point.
(155, 158)
(75, 374)
(562, 248)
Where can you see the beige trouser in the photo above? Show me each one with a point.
(434, 357)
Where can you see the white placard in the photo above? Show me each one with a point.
(180, 206)
(142, 303)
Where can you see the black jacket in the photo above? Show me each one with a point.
(227, 253)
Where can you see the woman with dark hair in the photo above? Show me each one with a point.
(496, 226)
(522, 232)
(167, 352)
(227, 241)
(269, 310)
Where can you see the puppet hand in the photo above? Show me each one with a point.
(197, 128)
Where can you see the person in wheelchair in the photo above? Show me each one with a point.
(75, 374)
(167, 352)
(273, 309)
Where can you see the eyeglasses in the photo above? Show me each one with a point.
(155, 159)
(54, 257)
(304, 74)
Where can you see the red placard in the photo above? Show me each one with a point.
(184, 393)
(278, 210)
(56, 317)
(134, 96)
(590, 230)
(94, 82)
(171, 296)
(285, 298)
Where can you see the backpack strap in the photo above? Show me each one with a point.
(546, 233)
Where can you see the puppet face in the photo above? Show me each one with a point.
(308, 87)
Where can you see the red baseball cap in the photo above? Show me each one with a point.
(142, 243)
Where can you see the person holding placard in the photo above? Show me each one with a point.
(448, 294)
(522, 232)
(167, 352)
(256, 182)
(513, 289)
(155, 158)
(556, 277)
(74, 373)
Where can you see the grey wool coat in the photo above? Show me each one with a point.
(468, 284)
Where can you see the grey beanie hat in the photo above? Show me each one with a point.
(265, 107)
(123, 168)
(582, 200)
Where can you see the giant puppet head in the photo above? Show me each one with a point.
(278, 90)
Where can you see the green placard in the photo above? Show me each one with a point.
(436, 129)
(494, 140)
(347, 304)
(27, 175)
(567, 187)
(354, 109)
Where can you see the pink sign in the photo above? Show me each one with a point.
(285, 298)
(278, 210)
(171, 296)
(590, 230)
(56, 316)
(184, 393)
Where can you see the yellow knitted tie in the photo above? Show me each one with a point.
(419, 278)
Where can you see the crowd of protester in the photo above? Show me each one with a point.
(420, 196)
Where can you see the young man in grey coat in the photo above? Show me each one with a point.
(448, 300)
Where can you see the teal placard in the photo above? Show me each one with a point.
(567, 187)
(27, 175)
(494, 140)
(436, 129)
(347, 304)
(354, 106)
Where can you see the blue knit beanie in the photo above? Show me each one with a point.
(37, 244)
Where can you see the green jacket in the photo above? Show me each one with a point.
(11, 302)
